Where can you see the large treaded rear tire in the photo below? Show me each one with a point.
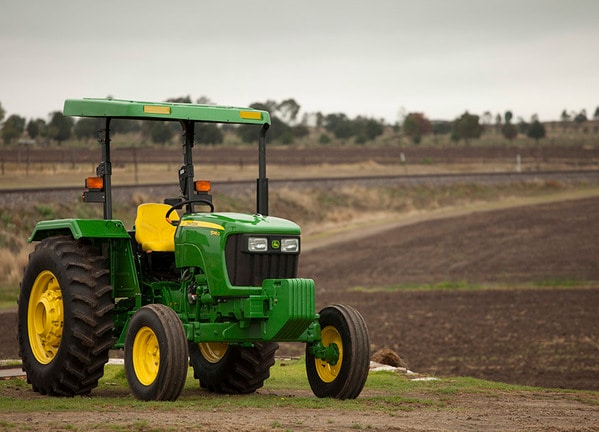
(65, 317)
(234, 370)
(344, 326)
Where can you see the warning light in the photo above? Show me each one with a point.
(202, 186)
(94, 183)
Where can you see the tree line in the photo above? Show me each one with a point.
(287, 126)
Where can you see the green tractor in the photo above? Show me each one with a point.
(185, 286)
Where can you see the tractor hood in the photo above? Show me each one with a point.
(229, 223)
(236, 250)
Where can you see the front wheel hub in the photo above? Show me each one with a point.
(146, 356)
(328, 369)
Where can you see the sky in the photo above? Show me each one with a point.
(378, 58)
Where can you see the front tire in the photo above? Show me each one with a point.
(156, 354)
(222, 368)
(343, 326)
(65, 317)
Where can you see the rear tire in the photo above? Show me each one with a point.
(344, 326)
(222, 368)
(156, 354)
(65, 317)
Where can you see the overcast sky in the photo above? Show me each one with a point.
(375, 58)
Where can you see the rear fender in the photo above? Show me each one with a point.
(113, 239)
(79, 228)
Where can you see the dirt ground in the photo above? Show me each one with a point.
(541, 412)
(546, 337)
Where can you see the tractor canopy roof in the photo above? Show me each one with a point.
(116, 108)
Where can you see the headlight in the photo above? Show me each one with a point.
(257, 244)
(290, 245)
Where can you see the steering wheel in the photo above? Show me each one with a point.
(183, 203)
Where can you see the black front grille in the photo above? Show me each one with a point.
(250, 269)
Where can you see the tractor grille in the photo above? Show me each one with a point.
(250, 269)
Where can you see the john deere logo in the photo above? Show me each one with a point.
(276, 244)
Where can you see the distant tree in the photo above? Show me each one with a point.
(160, 132)
(508, 116)
(204, 100)
(300, 131)
(339, 125)
(366, 129)
(522, 126)
(13, 128)
(247, 133)
(498, 121)
(60, 127)
(2, 113)
(127, 125)
(581, 117)
(88, 127)
(441, 127)
(279, 131)
(208, 133)
(565, 118)
(287, 111)
(416, 125)
(182, 99)
(270, 105)
(319, 119)
(466, 127)
(35, 128)
(536, 130)
(595, 115)
(509, 131)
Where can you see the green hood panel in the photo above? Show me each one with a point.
(231, 223)
(201, 241)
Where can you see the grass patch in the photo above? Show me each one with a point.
(385, 391)
(8, 296)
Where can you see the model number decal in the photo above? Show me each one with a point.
(201, 224)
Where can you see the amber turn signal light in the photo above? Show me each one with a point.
(94, 183)
(202, 186)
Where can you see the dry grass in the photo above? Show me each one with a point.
(12, 264)
(316, 210)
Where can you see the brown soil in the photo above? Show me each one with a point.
(544, 336)
(499, 411)
(547, 337)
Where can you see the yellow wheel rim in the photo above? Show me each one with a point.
(213, 352)
(45, 317)
(146, 355)
(326, 371)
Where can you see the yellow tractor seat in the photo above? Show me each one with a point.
(152, 231)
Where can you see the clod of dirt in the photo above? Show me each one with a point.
(388, 357)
